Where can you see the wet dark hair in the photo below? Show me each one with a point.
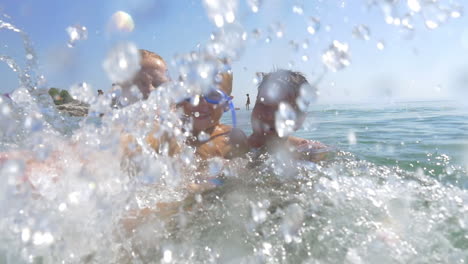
(286, 79)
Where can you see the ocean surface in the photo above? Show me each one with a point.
(395, 191)
(420, 135)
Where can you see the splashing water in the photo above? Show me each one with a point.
(122, 62)
(221, 12)
(285, 120)
(313, 25)
(271, 209)
(361, 32)
(75, 34)
(337, 56)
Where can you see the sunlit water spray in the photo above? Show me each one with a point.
(74, 198)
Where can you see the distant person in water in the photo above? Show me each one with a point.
(276, 88)
(247, 104)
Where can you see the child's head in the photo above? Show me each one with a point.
(207, 113)
(281, 86)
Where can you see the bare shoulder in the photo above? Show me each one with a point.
(302, 142)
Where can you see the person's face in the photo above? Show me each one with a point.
(207, 114)
(264, 111)
(150, 77)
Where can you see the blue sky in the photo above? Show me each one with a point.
(432, 64)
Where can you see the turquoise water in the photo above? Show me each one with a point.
(431, 136)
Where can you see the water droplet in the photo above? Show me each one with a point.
(313, 25)
(294, 45)
(258, 211)
(414, 5)
(305, 44)
(277, 29)
(292, 222)
(76, 33)
(254, 5)
(29, 56)
(229, 42)
(62, 207)
(381, 45)
(285, 120)
(121, 22)
(256, 33)
(221, 12)
(82, 92)
(336, 57)
(297, 9)
(305, 58)
(42, 239)
(202, 137)
(215, 166)
(267, 40)
(352, 140)
(361, 32)
(25, 234)
(167, 258)
(431, 24)
(122, 62)
(307, 95)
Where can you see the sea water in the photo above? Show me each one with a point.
(394, 190)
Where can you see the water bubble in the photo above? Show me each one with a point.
(431, 24)
(215, 166)
(167, 257)
(285, 120)
(82, 92)
(305, 58)
(221, 11)
(313, 25)
(307, 94)
(456, 12)
(29, 56)
(277, 29)
(305, 44)
(380, 45)
(256, 33)
(352, 140)
(336, 57)
(294, 45)
(75, 34)
(434, 16)
(292, 221)
(196, 114)
(122, 62)
(25, 234)
(42, 239)
(202, 137)
(361, 32)
(414, 5)
(267, 40)
(259, 211)
(121, 22)
(297, 9)
(254, 5)
(228, 43)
